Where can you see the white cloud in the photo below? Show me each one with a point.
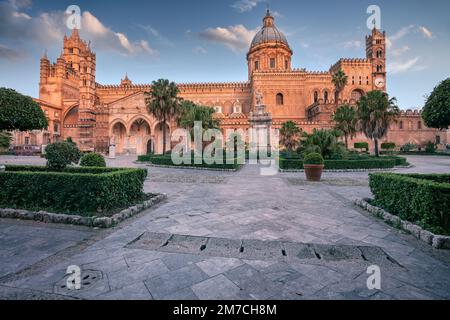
(245, 5)
(399, 51)
(403, 66)
(199, 50)
(10, 54)
(237, 38)
(426, 32)
(48, 28)
(352, 44)
(156, 35)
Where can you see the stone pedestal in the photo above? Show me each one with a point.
(260, 126)
(112, 152)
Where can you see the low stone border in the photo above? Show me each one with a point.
(437, 241)
(352, 170)
(99, 222)
(186, 167)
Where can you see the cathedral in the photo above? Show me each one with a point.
(95, 115)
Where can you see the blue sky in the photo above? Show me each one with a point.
(206, 41)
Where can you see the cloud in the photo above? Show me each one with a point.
(245, 5)
(10, 54)
(399, 51)
(403, 66)
(351, 44)
(105, 38)
(156, 35)
(237, 38)
(426, 32)
(199, 50)
(48, 28)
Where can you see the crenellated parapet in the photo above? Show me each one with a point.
(356, 62)
(410, 113)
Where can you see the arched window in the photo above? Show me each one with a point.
(379, 53)
(325, 96)
(357, 94)
(316, 96)
(419, 125)
(256, 65)
(280, 99)
(400, 125)
(379, 68)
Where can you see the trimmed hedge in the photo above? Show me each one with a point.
(166, 160)
(361, 145)
(92, 160)
(82, 191)
(297, 164)
(420, 199)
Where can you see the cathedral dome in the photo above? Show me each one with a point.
(269, 33)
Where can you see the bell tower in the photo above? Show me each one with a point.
(376, 53)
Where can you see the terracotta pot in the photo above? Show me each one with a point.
(313, 171)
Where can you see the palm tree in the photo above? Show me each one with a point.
(163, 103)
(191, 112)
(339, 80)
(345, 118)
(375, 112)
(289, 135)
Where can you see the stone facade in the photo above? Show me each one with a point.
(97, 115)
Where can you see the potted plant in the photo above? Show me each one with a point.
(313, 165)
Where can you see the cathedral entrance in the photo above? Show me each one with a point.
(139, 137)
(150, 148)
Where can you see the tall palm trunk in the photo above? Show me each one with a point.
(377, 154)
(346, 141)
(164, 135)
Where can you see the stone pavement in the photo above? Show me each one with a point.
(190, 246)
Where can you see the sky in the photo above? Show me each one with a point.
(207, 41)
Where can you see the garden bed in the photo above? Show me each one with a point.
(293, 164)
(89, 192)
(423, 199)
(437, 241)
(166, 161)
(90, 221)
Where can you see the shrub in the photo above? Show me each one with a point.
(61, 154)
(313, 158)
(324, 142)
(92, 160)
(421, 199)
(361, 145)
(408, 147)
(82, 191)
(430, 147)
(388, 145)
(166, 160)
(371, 163)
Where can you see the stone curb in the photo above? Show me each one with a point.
(99, 222)
(186, 167)
(351, 170)
(437, 241)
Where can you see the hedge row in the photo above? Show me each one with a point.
(166, 160)
(421, 199)
(82, 191)
(291, 164)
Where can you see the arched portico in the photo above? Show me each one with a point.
(139, 134)
(158, 134)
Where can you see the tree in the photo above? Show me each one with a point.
(163, 103)
(339, 80)
(5, 140)
(191, 112)
(325, 142)
(19, 112)
(375, 113)
(436, 112)
(289, 135)
(345, 118)
(61, 154)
